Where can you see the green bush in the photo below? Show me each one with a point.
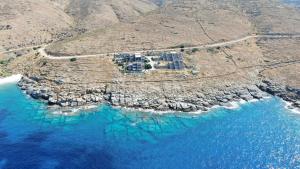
(211, 50)
(195, 50)
(148, 66)
(4, 62)
(182, 48)
(73, 59)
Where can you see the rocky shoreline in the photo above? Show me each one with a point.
(287, 93)
(198, 101)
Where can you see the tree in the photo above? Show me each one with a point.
(195, 50)
(148, 66)
(182, 48)
(73, 59)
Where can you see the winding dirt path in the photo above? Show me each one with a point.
(43, 53)
(207, 46)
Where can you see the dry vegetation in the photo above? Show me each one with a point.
(213, 67)
(127, 25)
(31, 22)
(174, 24)
(286, 51)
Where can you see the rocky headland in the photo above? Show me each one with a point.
(199, 100)
(248, 70)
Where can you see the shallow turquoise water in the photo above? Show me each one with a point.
(258, 135)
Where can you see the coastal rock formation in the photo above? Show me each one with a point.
(287, 93)
(200, 100)
(229, 47)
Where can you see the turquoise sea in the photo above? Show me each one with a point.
(257, 135)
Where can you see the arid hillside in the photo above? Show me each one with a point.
(95, 14)
(34, 22)
(186, 22)
(30, 22)
(174, 24)
(233, 49)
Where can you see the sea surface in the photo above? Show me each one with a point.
(258, 135)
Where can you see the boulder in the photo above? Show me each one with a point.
(52, 101)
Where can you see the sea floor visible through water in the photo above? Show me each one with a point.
(261, 134)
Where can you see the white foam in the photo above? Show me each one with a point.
(130, 109)
(242, 101)
(11, 79)
(89, 107)
(290, 107)
(295, 110)
(253, 100)
(70, 112)
(73, 111)
(232, 105)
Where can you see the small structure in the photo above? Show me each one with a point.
(176, 65)
(126, 58)
(171, 56)
(136, 63)
(135, 67)
(131, 62)
(174, 60)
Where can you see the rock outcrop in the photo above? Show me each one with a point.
(287, 93)
(202, 100)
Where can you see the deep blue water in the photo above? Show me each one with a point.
(258, 135)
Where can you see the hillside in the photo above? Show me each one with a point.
(237, 63)
(93, 14)
(28, 22)
(34, 22)
(188, 23)
(174, 24)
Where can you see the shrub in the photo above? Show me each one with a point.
(44, 63)
(212, 50)
(182, 48)
(195, 50)
(148, 66)
(73, 59)
(5, 62)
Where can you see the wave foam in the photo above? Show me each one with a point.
(11, 79)
(290, 107)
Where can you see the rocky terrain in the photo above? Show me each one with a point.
(246, 70)
(200, 99)
(35, 22)
(186, 22)
(221, 80)
(29, 23)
